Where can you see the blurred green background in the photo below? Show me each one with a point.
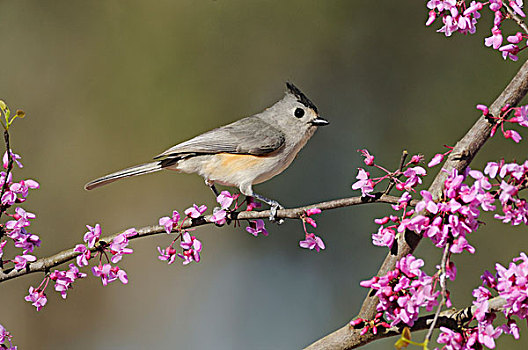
(108, 84)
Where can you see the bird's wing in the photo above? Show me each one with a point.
(250, 135)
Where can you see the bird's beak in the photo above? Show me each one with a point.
(319, 122)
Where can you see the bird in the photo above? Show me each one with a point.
(246, 152)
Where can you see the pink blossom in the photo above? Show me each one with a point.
(510, 51)
(64, 279)
(495, 5)
(452, 339)
(511, 327)
(168, 254)
(410, 266)
(451, 270)
(495, 40)
(417, 158)
(413, 176)
(481, 181)
(24, 239)
(521, 114)
(195, 211)
(310, 221)
(252, 204)
(109, 274)
(118, 246)
(22, 260)
(8, 198)
(437, 159)
(474, 7)
(515, 39)
(225, 199)
(257, 226)
(491, 169)
(364, 183)
(384, 237)
(431, 18)
(427, 203)
(14, 156)
(312, 242)
(313, 211)
(460, 244)
(516, 6)
(37, 298)
(507, 192)
(92, 236)
(2, 245)
(369, 159)
(22, 187)
(170, 222)
(191, 248)
(86, 254)
(219, 216)
(512, 134)
(487, 335)
(483, 108)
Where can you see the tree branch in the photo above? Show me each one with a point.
(45, 264)
(461, 156)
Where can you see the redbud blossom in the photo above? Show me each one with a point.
(256, 227)
(312, 242)
(195, 211)
(37, 298)
(170, 222)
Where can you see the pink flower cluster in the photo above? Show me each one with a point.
(16, 191)
(513, 177)
(64, 279)
(109, 273)
(118, 247)
(37, 297)
(412, 173)
(225, 199)
(457, 16)
(403, 291)
(17, 228)
(191, 246)
(453, 216)
(511, 284)
(311, 241)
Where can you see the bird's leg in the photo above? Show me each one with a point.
(274, 206)
(212, 187)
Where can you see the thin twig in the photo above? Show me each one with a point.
(400, 168)
(443, 292)
(45, 264)
(3, 208)
(515, 17)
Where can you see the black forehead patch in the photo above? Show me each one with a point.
(300, 96)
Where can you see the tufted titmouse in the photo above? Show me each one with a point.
(246, 152)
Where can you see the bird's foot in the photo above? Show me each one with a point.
(274, 206)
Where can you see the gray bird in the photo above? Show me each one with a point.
(246, 152)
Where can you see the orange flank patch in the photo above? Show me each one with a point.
(238, 162)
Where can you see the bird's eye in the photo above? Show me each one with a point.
(299, 112)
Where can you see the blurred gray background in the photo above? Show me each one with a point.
(108, 84)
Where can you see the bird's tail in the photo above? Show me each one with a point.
(133, 171)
